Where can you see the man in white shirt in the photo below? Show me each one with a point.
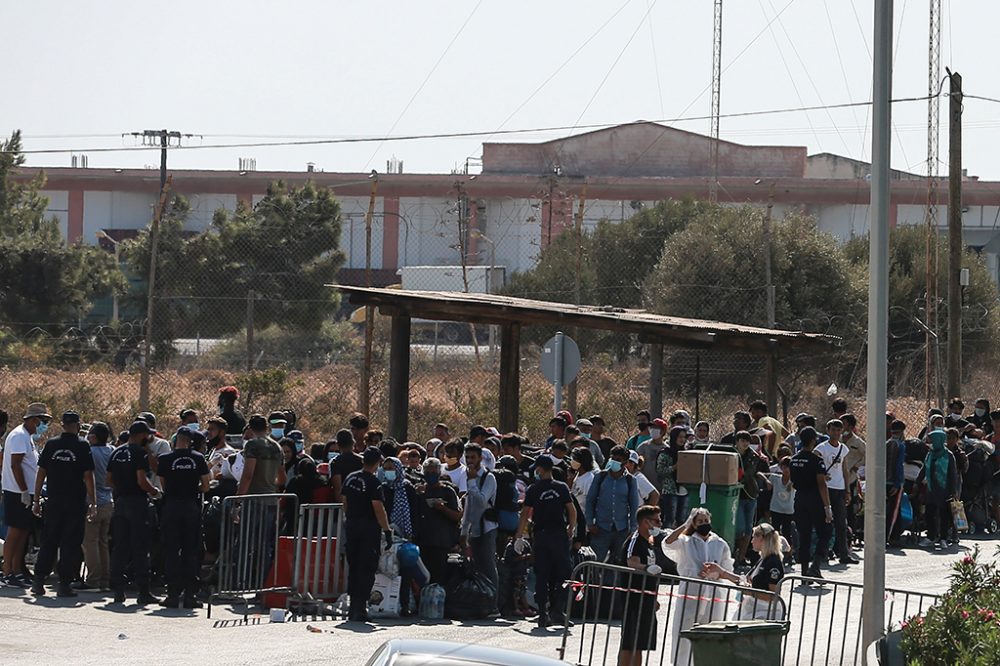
(20, 465)
(834, 453)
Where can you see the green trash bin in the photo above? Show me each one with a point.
(722, 502)
(736, 643)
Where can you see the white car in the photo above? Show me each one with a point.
(399, 652)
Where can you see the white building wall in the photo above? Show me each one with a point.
(352, 234)
(58, 208)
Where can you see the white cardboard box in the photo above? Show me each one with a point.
(384, 599)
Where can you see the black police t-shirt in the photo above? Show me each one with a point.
(360, 489)
(182, 470)
(65, 459)
(123, 465)
(548, 499)
(768, 571)
(805, 467)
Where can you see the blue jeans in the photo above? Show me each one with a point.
(746, 512)
(673, 509)
(607, 542)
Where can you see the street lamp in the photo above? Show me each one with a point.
(114, 295)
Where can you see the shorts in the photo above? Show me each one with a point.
(746, 512)
(16, 514)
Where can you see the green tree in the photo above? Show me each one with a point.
(43, 281)
(285, 250)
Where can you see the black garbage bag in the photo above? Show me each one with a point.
(471, 596)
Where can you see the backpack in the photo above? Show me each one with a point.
(504, 511)
(603, 474)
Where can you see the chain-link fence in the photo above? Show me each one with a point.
(243, 302)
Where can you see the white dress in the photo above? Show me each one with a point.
(691, 553)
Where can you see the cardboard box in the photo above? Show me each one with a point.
(721, 468)
(384, 599)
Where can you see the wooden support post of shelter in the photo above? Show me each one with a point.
(510, 377)
(656, 380)
(399, 376)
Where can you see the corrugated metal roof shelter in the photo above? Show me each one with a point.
(511, 313)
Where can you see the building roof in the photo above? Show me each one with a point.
(497, 309)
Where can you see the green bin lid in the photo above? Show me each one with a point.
(735, 627)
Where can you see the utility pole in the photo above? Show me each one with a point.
(571, 390)
(955, 242)
(251, 296)
(713, 187)
(873, 602)
(772, 369)
(931, 369)
(364, 390)
(161, 138)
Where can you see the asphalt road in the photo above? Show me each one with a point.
(88, 630)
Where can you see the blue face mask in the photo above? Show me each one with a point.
(390, 475)
(432, 479)
(585, 435)
(613, 466)
(331, 456)
(42, 428)
(194, 426)
(277, 433)
(299, 446)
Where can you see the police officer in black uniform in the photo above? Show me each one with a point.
(548, 504)
(364, 515)
(184, 475)
(812, 504)
(130, 533)
(66, 468)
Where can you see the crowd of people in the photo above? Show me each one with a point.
(118, 512)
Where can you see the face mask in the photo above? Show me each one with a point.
(614, 466)
(538, 475)
(432, 479)
(380, 474)
(655, 531)
(980, 412)
(585, 435)
(655, 433)
(277, 433)
(575, 464)
(390, 475)
(194, 426)
(299, 446)
(331, 456)
(42, 428)
(755, 447)
(704, 530)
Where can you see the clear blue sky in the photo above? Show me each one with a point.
(236, 71)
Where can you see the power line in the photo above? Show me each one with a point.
(479, 133)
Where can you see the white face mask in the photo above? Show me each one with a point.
(655, 433)
(655, 531)
(980, 412)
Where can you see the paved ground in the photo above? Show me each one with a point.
(89, 631)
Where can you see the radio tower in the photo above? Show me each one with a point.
(713, 188)
(930, 243)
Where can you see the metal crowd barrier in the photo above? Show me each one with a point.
(826, 620)
(612, 611)
(248, 545)
(318, 570)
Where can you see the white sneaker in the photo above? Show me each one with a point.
(942, 544)
(925, 542)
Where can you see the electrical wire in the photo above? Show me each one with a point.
(471, 134)
(656, 63)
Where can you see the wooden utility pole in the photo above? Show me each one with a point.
(250, 353)
(955, 243)
(571, 390)
(154, 241)
(364, 390)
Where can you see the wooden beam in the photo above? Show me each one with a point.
(399, 377)
(656, 380)
(510, 377)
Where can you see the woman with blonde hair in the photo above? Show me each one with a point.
(762, 580)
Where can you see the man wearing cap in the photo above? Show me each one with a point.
(130, 529)
(263, 470)
(184, 473)
(156, 445)
(67, 464)
(812, 504)
(549, 506)
(20, 465)
(189, 418)
(277, 421)
(235, 421)
(364, 517)
(586, 427)
(97, 531)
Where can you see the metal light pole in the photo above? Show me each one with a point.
(114, 295)
(873, 607)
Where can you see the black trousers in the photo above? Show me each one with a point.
(552, 568)
(809, 516)
(939, 522)
(435, 559)
(841, 541)
(130, 540)
(62, 531)
(362, 562)
(180, 534)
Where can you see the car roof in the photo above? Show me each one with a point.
(470, 652)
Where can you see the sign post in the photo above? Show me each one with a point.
(560, 364)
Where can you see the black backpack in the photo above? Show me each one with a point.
(504, 509)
